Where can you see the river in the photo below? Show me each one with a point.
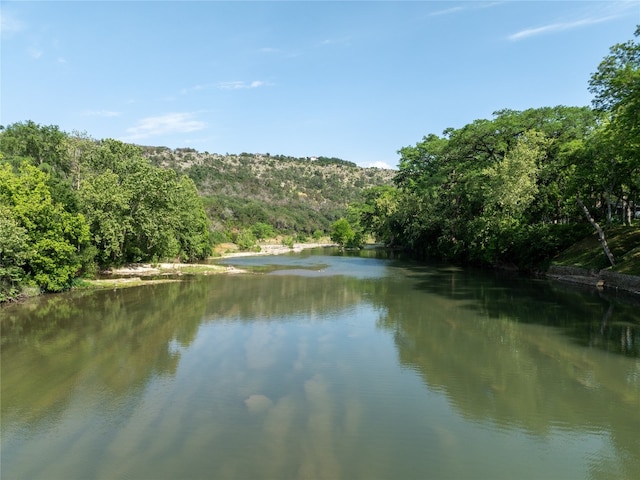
(322, 365)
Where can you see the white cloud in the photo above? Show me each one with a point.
(558, 27)
(446, 11)
(164, 125)
(468, 6)
(10, 24)
(239, 85)
(195, 88)
(337, 41)
(100, 113)
(380, 164)
(35, 53)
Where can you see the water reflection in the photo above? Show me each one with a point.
(592, 318)
(117, 341)
(506, 363)
(352, 373)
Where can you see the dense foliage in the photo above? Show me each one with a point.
(69, 204)
(296, 196)
(511, 190)
(506, 190)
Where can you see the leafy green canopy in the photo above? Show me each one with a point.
(40, 240)
(493, 191)
(505, 190)
(139, 212)
(67, 201)
(616, 148)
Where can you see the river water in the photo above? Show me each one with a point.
(320, 365)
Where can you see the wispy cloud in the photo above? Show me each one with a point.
(337, 41)
(167, 124)
(558, 27)
(467, 6)
(100, 113)
(35, 53)
(446, 11)
(602, 13)
(240, 85)
(235, 85)
(9, 24)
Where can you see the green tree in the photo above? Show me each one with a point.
(342, 233)
(192, 229)
(508, 188)
(13, 254)
(55, 237)
(39, 143)
(245, 240)
(378, 213)
(262, 230)
(473, 193)
(616, 86)
(140, 212)
(106, 205)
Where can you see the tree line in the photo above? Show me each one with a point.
(70, 205)
(511, 190)
(518, 188)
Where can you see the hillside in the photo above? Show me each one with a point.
(295, 195)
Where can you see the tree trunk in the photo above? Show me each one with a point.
(626, 210)
(603, 241)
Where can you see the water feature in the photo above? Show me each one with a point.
(321, 365)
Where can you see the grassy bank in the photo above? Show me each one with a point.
(624, 243)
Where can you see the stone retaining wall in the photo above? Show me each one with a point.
(599, 279)
(573, 271)
(629, 283)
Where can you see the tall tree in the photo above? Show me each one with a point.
(54, 236)
(616, 86)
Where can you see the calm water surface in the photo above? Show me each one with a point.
(323, 366)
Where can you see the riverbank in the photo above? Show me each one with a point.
(600, 279)
(585, 263)
(140, 274)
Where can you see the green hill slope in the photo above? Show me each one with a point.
(295, 195)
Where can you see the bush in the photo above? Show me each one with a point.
(246, 240)
(262, 230)
(288, 242)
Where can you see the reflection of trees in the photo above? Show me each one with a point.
(483, 342)
(470, 341)
(107, 341)
(257, 297)
(114, 342)
(581, 313)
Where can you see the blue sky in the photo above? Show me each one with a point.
(356, 80)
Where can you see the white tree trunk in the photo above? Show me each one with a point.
(603, 241)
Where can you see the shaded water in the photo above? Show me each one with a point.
(323, 366)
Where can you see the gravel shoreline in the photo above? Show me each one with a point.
(177, 268)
